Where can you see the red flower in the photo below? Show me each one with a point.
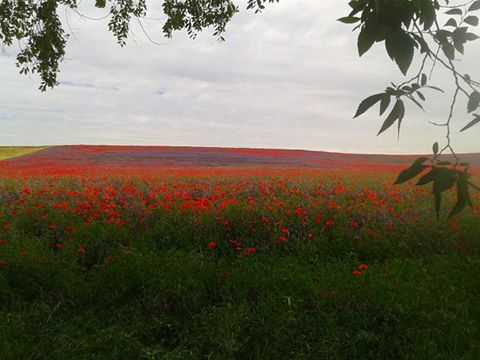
(285, 231)
(226, 276)
(212, 244)
(363, 267)
(58, 245)
(454, 227)
(356, 272)
(281, 239)
(2, 242)
(329, 223)
(251, 250)
(81, 250)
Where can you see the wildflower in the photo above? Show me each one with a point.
(251, 250)
(363, 267)
(330, 223)
(58, 245)
(212, 244)
(2, 241)
(81, 250)
(226, 276)
(454, 227)
(356, 272)
(110, 258)
(281, 239)
(285, 231)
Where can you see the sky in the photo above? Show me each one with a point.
(288, 78)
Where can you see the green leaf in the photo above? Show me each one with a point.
(435, 148)
(420, 95)
(368, 103)
(451, 22)
(427, 178)
(463, 196)
(400, 47)
(396, 114)
(349, 19)
(423, 80)
(458, 45)
(444, 179)
(100, 3)
(471, 123)
(471, 20)
(384, 103)
(366, 39)
(455, 11)
(416, 102)
(474, 6)
(473, 101)
(409, 173)
(471, 36)
(435, 88)
(448, 50)
(427, 13)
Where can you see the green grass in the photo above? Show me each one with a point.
(156, 290)
(7, 152)
(180, 306)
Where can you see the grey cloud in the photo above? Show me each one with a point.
(287, 78)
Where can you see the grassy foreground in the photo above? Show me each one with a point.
(7, 152)
(230, 268)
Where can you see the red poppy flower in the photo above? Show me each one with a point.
(212, 244)
(356, 272)
(281, 239)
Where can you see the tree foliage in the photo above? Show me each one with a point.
(406, 27)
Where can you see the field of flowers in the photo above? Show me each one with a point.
(258, 262)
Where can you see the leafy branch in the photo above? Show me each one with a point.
(407, 27)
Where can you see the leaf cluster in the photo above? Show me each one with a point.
(442, 178)
(411, 92)
(36, 26)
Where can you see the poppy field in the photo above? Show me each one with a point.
(130, 253)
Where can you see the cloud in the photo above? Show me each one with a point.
(86, 85)
(287, 78)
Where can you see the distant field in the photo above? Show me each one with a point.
(154, 160)
(7, 152)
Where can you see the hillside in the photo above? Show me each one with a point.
(81, 158)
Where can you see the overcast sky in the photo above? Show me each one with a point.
(287, 78)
